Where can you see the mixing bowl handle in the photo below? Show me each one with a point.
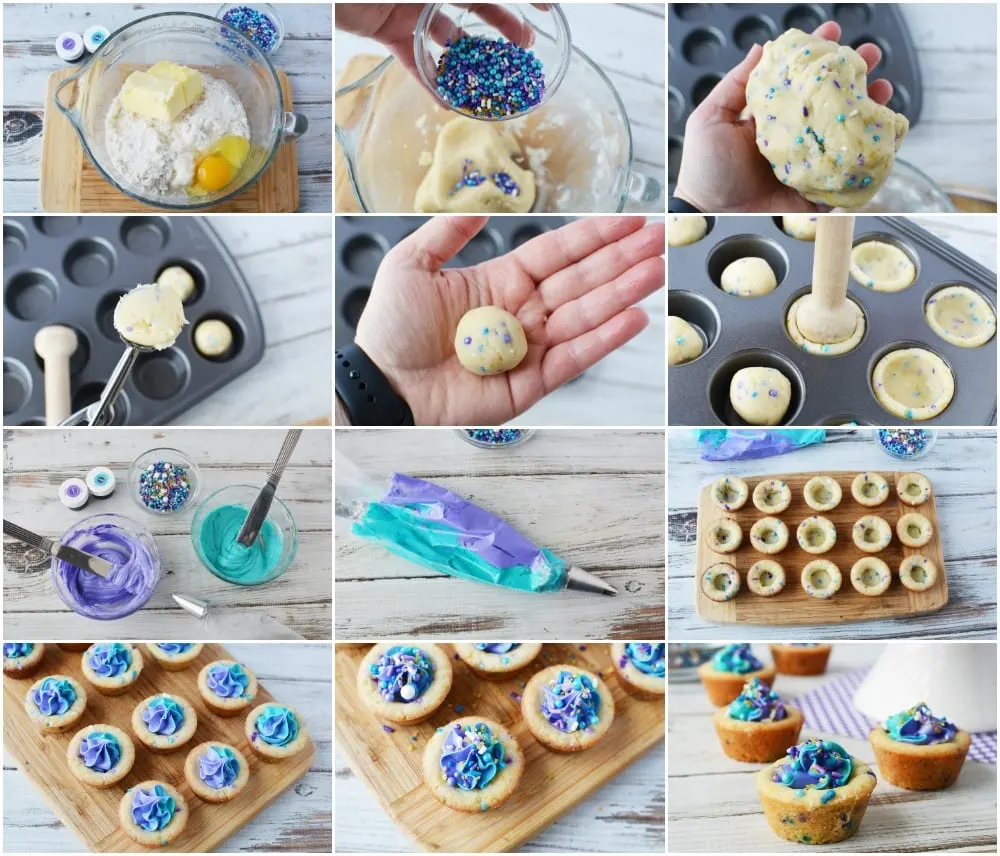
(643, 190)
(70, 110)
(295, 126)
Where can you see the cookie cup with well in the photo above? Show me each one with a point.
(732, 666)
(641, 668)
(112, 668)
(276, 732)
(100, 755)
(216, 772)
(757, 727)
(153, 813)
(918, 751)
(567, 709)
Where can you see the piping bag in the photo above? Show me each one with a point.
(433, 527)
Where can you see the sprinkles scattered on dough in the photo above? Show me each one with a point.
(472, 177)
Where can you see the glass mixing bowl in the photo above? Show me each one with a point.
(198, 41)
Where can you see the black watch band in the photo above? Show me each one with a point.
(679, 206)
(364, 391)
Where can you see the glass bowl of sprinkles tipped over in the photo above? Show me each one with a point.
(494, 61)
(164, 481)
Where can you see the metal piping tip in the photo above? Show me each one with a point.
(581, 580)
(197, 607)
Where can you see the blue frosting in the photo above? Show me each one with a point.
(218, 767)
(17, 649)
(110, 659)
(277, 725)
(54, 697)
(163, 716)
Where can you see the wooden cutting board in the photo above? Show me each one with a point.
(70, 182)
(92, 813)
(792, 605)
(552, 783)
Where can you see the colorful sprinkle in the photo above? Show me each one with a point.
(164, 486)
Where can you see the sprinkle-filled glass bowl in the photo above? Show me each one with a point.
(905, 444)
(129, 546)
(545, 32)
(495, 438)
(259, 22)
(167, 498)
(216, 524)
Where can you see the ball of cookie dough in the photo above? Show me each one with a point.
(882, 267)
(684, 343)
(816, 126)
(489, 340)
(473, 171)
(685, 229)
(760, 395)
(178, 278)
(748, 277)
(213, 338)
(801, 226)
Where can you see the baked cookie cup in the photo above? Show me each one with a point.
(472, 764)
(22, 659)
(757, 742)
(723, 687)
(55, 703)
(228, 688)
(216, 772)
(932, 767)
(641, 668)
(174, 656)
(74, 647)
(276, 732)
(404, 684)
(806, 658)
(567, 709)
(100, 755)
(497, 661)
(112, 668)
(153, 813)
(164, 723)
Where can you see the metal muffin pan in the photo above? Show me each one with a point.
(750, 331)
(362, 242)
(72, 270)
(706, 40)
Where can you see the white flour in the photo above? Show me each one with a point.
(159, 157)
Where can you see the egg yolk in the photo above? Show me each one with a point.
(213, 173)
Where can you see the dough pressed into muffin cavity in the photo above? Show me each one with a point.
(869, 489)
(881, 266)
(730, 493)
(772, 496)
(748, 277)
(870, 576)
(824, 349)
(766, 578)
(683, 229)
(769, 535)
(914, 530)
(816, 535)
(684, 342)
(821, 579)
(822, 493)
(720, 582)
(918, 573)
(871, 533)
(913, 383)
(961, 316)
(724, 536)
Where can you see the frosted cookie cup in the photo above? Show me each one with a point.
(276, 732)
(641, 668)
(497, 661)
(153, 813)
(55, 703)
(164, 723)
(216, 772)
(100, 755)
(404, 683)
(174, 656)
(732, 666)
(227, 687)
(112, 668)
(918, 751)
(567, 709)
(757, 726)
(22, 659)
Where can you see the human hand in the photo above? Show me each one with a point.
(721, 167)
(572, 289)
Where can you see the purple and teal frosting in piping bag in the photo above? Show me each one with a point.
(650, 658)
(54, 697)
(218, 767)
(110, 659)
(433, 527)
(570, 702)
(819, 764)
(152, 810)
(100, 751)
(757, 703)
(471, 757)
(736, 659)
(402, 674)
(918, 726)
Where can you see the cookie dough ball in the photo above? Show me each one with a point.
(801, 226)
(684, 343)
(748, 277)
(816, 126)
(760, 395)
(882, 267)
(489, 340)
(961, 316)
(474, 172)
(178, 278)
(685, 229)
(213, 338)
(913, 383)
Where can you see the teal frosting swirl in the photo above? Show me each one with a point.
(757, 703)
(12, 650)
(736, 659)
(648, 657)
(54, 696)
(277, 725)
(819, 764)
(917, 725)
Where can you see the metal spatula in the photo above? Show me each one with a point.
(258, 513)
(70, 555)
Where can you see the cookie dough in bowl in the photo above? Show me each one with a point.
(748, 277)
(816, 535)
(914, 530)
(913, 489)
(766, 578)
(800, 226)
(870, 576)
(833, 349)
(760, 395)
(882, 267)
(961, 316)
(772, 496)
(720, 582)
(685, 229)
(821, 579)
(769, 535)
(918, 573)
(724, 536)
(869, 489)
(871, 534)
(730, 493)
(822, 493)
(913, 383)
(683, 342)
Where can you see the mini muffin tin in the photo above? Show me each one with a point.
(362, 242)
(741, 332)
(72, 271)
(706, 40)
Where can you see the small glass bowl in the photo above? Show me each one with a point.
(85, 585)
(516, 438)
(546, 34)
(172, 456)
(244, 496)
(896, 437)
(264, 9)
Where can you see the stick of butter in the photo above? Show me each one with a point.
(164, 94)
(188, 78)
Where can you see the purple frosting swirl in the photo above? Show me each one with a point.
(12, 650)
(109, 660)
(571, 702)
(54, 697)
(218, 767)
(497, 647)
(163, 716)
(175, 647)
(277, 725)
(471, 757)
(757, 703)
(100, 751)
(820, 764)
(917, 725)
(152, 810)
(228, 681)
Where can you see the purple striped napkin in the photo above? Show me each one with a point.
(828, 708)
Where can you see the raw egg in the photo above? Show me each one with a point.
(219, 165)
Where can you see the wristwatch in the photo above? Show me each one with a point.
(364, 391)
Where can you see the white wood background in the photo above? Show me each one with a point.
(627, 41)
(299, 820)
(973, 234)
(962, 468)
(36, 461)
(713, 799)
(593, 498)
(29, 57)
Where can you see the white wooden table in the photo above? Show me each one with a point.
(593, 498)
(36, 461)
(714, 805)
(29, 57)
(627, 41)
(962, 469)
(974, 235)
(297, 821)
